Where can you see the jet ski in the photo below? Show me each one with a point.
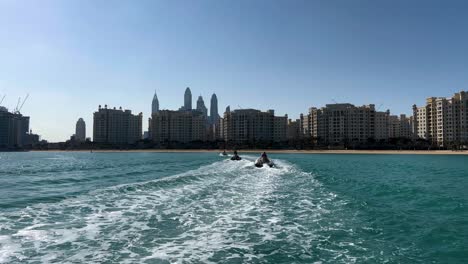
(264, 160)
(235, 156)
(224, 153)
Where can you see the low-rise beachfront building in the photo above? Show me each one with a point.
(116, 126)
(178, 126)
(250, 125)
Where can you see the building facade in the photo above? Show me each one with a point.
(294, 129)
(178, 126)
(116, 126)
(382, 126)
(420, 122)
(14, 129)
(346, 123)
(250, 125)
(443, 121)
(341, 123)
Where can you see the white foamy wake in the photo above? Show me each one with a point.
(223, 211)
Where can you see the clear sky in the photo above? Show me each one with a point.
(287, 55)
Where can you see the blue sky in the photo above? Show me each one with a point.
(73, 55)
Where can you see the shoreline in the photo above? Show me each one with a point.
(272, 151)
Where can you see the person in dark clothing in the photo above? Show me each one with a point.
(236, 156)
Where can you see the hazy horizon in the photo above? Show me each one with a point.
(72, 56)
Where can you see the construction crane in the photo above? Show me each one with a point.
(1, 101)
(20, 104)
(24, 101)
(17, 105)
(378, 108)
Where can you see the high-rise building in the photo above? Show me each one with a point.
(443, 121)
(155, 104)
(80, 130)
(178, 126)
(14, 129)
(187, 99)
(250, 125)
(116, 126)
(201, 107)
(214, 115)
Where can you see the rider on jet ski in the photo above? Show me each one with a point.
(263, 160)
(236, 156)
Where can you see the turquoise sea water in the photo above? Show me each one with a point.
(200, 208)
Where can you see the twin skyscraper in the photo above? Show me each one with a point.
(212, 118)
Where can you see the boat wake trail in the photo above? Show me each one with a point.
(225, 211)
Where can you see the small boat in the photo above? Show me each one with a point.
(264, 160)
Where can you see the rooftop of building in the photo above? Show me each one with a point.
(120, 109)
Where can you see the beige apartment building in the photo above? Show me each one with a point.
(400, 127)
(443, 121)
(294, 129)
(250, 125)
(420, 122)
(339, 123)
(382, 127)
(117, 126)
(178, 126)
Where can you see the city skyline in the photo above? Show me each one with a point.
(72, 56)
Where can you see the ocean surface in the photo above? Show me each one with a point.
(200, 208)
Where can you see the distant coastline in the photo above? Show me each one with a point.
(273, 151)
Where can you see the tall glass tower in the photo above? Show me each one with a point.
(188, 99)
